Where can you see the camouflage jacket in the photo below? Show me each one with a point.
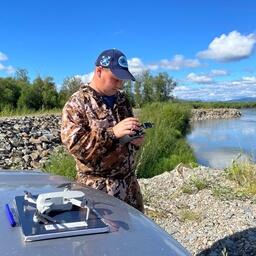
(87, 133)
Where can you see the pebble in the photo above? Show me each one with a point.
(223, 225)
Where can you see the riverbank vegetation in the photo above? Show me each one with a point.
(220, 104)
(243, 174)
(164, 146)
(21, 96)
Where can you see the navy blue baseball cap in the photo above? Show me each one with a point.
(116, 61)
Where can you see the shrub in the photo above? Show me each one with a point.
(165, 145)
(61, 163)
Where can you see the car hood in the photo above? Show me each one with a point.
(131, 232)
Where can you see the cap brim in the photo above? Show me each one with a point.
(123, 74)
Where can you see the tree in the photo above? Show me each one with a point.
(41, 94)
(147, 83)
(150, 88)
(22, 75)
(137, 94)
(166, 85)
(70, 86)
(128, 89)
(49, 94)
(10, 93)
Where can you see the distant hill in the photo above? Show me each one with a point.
(245, 99)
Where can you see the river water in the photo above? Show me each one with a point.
(216, 143)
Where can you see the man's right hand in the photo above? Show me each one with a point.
(126, 127)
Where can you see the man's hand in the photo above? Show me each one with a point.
(126, 127)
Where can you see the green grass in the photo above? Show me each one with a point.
(199, 183)
(10, 112)
(244, 175)
(188, 189)
(164, 148)
(195, 184)
(223, 192)
(61, 163)
(238, 105)
(189, 215)
(165, 145)
(243, 182)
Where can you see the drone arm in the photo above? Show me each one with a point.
(28, 197)
(81, 205)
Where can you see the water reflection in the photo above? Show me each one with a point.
(217, 142)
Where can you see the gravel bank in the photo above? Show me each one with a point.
(196, 207)
(215, 113)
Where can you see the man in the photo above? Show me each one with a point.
(95, 121)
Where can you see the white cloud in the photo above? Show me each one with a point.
(153, 66)
(86, 78)
(182, 88)
(136, 66)
(3, 57)
(218, 72)
(200, 79)
(8, 69)
(179, 62)
(231, 47)
(249, 79)
(219, 91)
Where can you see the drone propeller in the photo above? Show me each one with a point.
(29, 197)
(40, 217)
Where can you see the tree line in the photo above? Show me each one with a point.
(18, 92)
(148, 88)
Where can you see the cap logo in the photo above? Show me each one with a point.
(122, 61)
(105, 61)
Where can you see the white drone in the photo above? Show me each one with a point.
(56, 201)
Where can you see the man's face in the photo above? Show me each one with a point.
(110, 84)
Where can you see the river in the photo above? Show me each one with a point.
(217, 142)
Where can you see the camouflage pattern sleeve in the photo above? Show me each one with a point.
(83, 137)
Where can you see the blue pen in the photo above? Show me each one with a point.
(10, 215)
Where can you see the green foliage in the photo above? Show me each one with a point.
(223, 192)
(61, 163)
(242, 182)
(165, 145)
(18, 93)
(148, 88)
(187, 189)
(220, 104)
(128, 92)
(70, 85)
(10, 93)
(189, 215)
(199, 183)
(244, 175)
(21, 75)
(195, 184)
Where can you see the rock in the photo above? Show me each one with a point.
(24, 141)
(202, 222)
(216, 113)
(27, 158)
(34, 156)
(35, 164)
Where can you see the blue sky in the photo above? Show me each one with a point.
(207, 46)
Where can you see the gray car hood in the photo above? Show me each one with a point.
(131, 233)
